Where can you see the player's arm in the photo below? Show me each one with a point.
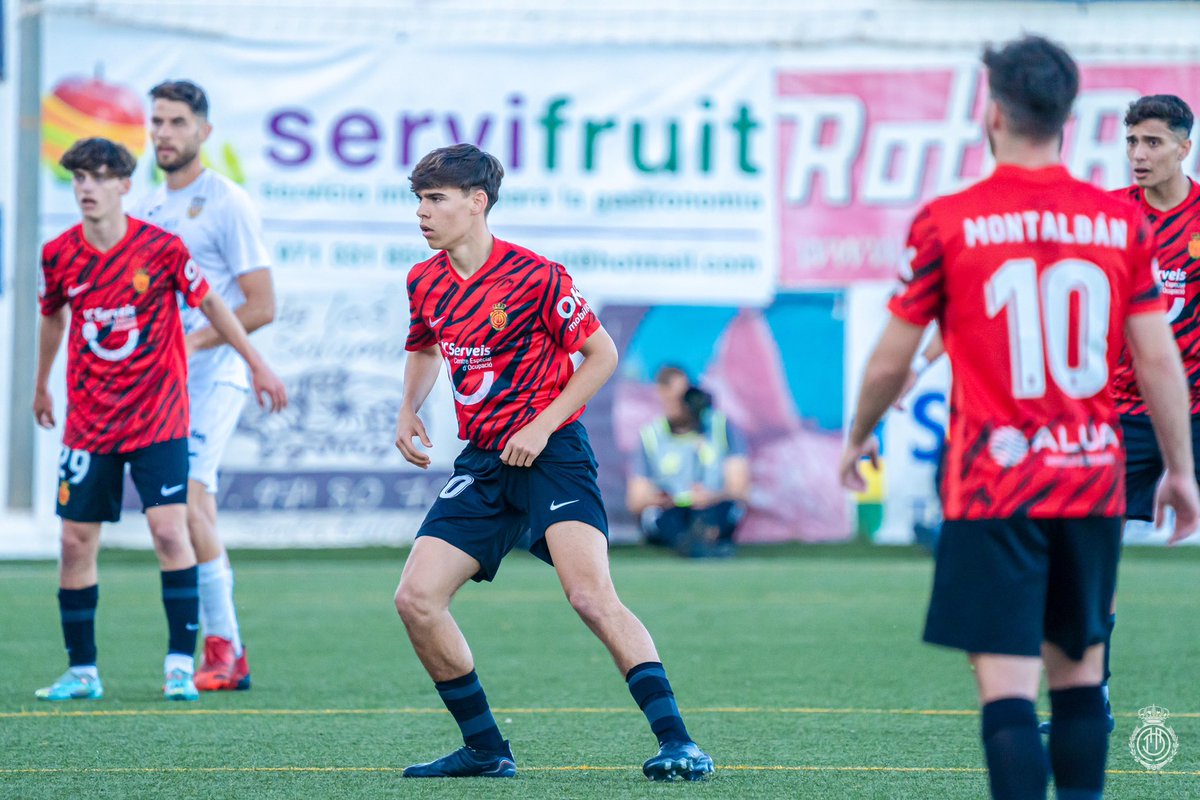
(1164, 388)
(257, 311)
(50, 336)
(599, 363)
(420, 373)
(924, 360)
(887, 370)
(264, 380)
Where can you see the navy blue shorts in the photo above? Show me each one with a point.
(487, 507)
(1144, 465)
(1006, 585)
(90, 485)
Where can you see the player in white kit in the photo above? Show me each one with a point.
(216, 220)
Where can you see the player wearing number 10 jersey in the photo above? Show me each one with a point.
(1035, 280)
(505, 322)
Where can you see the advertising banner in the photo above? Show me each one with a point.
(644, 172)
(861, 149)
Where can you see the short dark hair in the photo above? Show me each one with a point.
(91, 155)
(183, 92)
(1035, 83)
(461, 165)
(669, 372)
(1166, 107)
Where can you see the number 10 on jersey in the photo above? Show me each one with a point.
(1040, 311)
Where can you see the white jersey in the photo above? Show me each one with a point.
(216, 220)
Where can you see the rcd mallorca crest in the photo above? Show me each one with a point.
(1153, 743)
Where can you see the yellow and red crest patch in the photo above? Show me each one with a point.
(1194, 246)
(498, 317)
(141, 280)
(64, 492)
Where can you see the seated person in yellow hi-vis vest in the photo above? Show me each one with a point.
(691, 476)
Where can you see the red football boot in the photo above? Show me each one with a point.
(220, 670)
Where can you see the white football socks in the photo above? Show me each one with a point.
(217, 615)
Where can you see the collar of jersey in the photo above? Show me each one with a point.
(499, 248)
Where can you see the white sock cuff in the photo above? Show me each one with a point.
(212, 570)
(179, 661)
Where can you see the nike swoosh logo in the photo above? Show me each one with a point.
(167, 491)
(433, 323)
(557, 506)
(74, 290)
(191, 626)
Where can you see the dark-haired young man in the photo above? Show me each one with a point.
(217, 221)
(506, 321)
(115, 279)
(1036, 280)
(1157, 131)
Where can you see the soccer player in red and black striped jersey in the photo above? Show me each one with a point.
(115, 280)
(505, 323)
(1036, 280)
(1157, 143)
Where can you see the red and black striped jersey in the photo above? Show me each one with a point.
(1178, 233)
(506, 333)
(1031, 275)
(126, 363)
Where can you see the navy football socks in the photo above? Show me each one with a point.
(181, 600)
(1016, 759)
(1112, 623)
(1078, 742)
(77, 611)
(652, 692)
(466, 702)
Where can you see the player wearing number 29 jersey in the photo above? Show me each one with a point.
(126, 365)
(1034, 432)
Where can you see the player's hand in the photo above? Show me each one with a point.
(1178, 491)
(703, 497)
(848, 471)
(269, 390)
(189, 345)
(524, 446)
(408, 427)
(909, 383)
(43, 408)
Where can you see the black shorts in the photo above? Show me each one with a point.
(90, 485)
(1006, 585)
(486, 508)
(1144, 464)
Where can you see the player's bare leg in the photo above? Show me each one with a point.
(433, 574)
(1079, 729)
(580, 555)
(180, 595)
(77, 597)
(1016, 760)
(202, 523)
(80, 549)
(224, 665)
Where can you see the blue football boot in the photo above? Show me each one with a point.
(72, 686)
(467, 762)
(678, 760)
(178, 685)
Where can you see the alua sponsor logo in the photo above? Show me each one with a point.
(1009, 446)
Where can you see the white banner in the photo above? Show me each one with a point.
(645, 172)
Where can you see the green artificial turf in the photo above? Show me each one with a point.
(799, 669)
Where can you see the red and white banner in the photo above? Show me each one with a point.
(859, 151)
